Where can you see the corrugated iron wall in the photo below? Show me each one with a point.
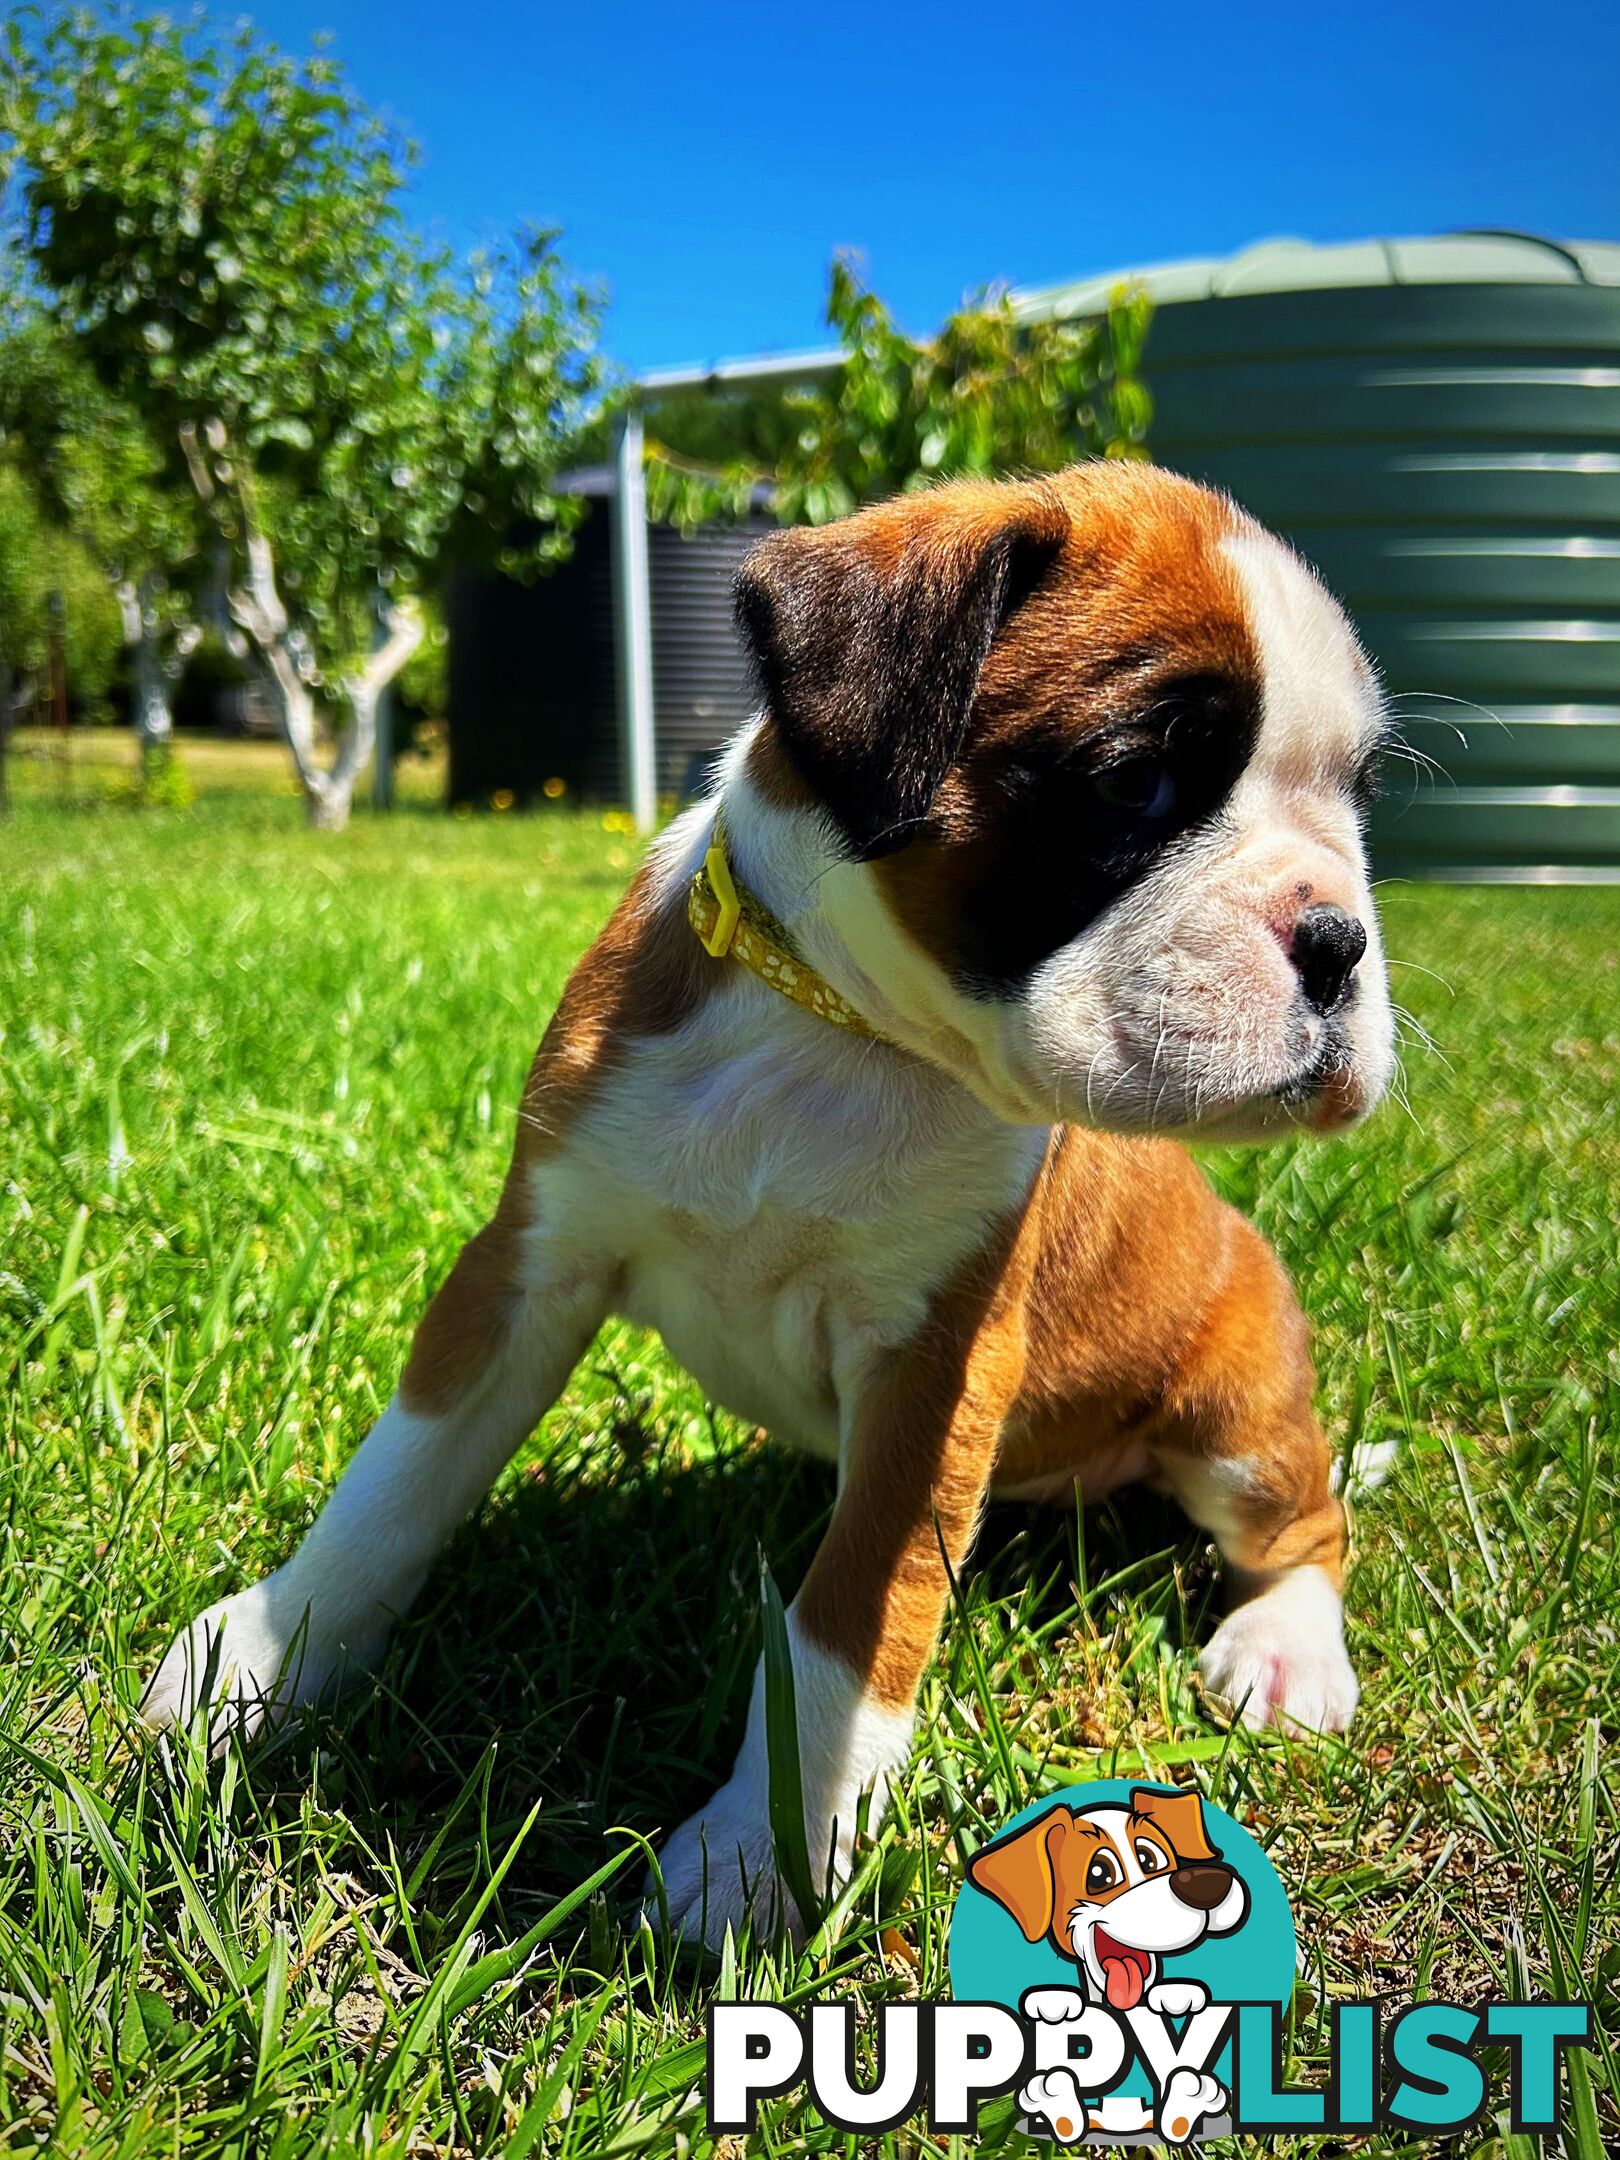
(1445, 449)
(533, 688)
(702, 692)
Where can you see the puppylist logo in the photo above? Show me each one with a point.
(1122, 1958)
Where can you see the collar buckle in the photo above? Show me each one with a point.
(716, 941)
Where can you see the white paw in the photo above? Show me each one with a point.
(719, 1869)
(1189, 2098)
(257, 1658)
(1054, 2097)
(1177, 1998)
(1053, 2005)
(1372, 1463)
(1281, 1659)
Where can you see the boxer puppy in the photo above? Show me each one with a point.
(1044, 847)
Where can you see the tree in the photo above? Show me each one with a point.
(51, 589)
(994, 392)
(218, 226)
(96, 475)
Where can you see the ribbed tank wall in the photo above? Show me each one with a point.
(1449, 458)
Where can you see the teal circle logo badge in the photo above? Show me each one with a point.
(1126, 1923)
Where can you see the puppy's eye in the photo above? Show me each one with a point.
(1367, 781)
(1142, 788)
(1102, 1874)
(1149, 1858)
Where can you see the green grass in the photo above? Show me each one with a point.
(256, 1088)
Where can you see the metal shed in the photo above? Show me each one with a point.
(535, 689)
(1435, 423)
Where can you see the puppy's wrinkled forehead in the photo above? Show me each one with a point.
(1141, 591)
(1015, 699)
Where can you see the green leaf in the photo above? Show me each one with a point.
(793, 1858)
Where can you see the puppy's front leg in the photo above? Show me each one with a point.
(492, 1353)
(1240, 1448)
(919, 1440)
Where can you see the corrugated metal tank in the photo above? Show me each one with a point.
(533, 689)
(1436, 425)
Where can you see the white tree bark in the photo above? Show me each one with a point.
(160, 656)
(403, 632)
(257, 608)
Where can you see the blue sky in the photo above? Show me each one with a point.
(705, 161)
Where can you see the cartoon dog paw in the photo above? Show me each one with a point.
(1178, 1998)
(1121, 2115)
(1054, 2005)
(1054, 2096)
(1189, 2098)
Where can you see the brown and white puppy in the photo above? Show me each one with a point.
(1057, 784)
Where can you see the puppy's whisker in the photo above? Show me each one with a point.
(1418, 968)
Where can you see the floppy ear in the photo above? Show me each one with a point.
(1020, 1872)
(1180, 1816)
(868, 637)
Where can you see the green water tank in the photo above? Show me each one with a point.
(1435, 424)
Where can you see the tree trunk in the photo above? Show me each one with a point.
(327, 795)
(17, 694)
(5, 736)
(328, 807)
(257, 608)
(160, 653)
(154, 689)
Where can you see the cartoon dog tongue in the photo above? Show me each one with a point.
(1122, 1977)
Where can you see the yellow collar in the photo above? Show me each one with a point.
(731, 923)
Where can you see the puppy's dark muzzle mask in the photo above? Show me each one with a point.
(1202, 1886)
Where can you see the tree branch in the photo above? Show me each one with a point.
(406, 630)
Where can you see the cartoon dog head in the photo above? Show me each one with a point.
(1117, 1888)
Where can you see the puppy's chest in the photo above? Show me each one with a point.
(779, 1225)
(758, 1313)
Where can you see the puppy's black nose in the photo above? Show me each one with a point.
(1326, 949)
(1202, 1886)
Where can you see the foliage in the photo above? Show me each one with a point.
(162, 781)
(97, 470)
(992, 393)
(42, 564)
(218, 226)
(424, 681)
(234, 1172)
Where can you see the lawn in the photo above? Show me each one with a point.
(256, 1088)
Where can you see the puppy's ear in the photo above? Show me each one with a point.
(1020, 1872)
(1180, 1816)
(868, 637)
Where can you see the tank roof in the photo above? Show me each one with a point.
(1293, 265)
(1269, 266)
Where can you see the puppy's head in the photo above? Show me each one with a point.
(1091, 754)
